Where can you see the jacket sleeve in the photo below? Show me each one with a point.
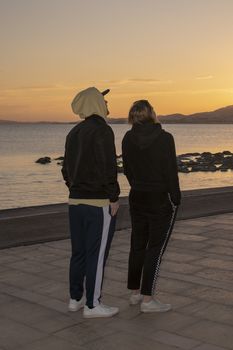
(106, 157)
(64, 169)
(171, 170)
(126, 165)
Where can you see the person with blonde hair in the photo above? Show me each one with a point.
(149, 161)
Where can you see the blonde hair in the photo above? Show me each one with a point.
(141, 112)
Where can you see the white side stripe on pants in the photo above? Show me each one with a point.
(174, 209)
(99, 272)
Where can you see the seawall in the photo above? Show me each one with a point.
(37, 224)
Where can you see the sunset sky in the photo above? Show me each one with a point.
(178, 54)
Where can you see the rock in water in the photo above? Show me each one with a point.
(43, 160)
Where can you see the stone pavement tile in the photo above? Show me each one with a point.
(217, 233)
(216, 274)
(210, 311)
(25, 312)
(172, 285)
(179, 267)
(215, 256)
(171, 255)
(215, 295)
(50, 250)
(14, 334)
(210, 332)
(61, 244)
(115, 274)
(55, 304)
(118, 264)
(220, 250)
(115, 288)
(51, 287)
(190, 237)
(215, 263)
(51, 343)
(4, 298)
(61, 262)
(223, 226)
(124, 340)
(199, 222)
(19, 278)
(56, 322)
(148, 323)
(222, 242)
(23, 249)
(57, 274)
(188, 245)
(174, 340)
(177, 301)
(209, 347)
(119, 256)
(82, 334)
(30, 266)
(5, 259)
(196, 280)
(20, 293)
(124, 248)
(39, 255)
(189, 229)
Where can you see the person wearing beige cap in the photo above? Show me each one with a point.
(90, 172)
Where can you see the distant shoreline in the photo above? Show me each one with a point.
(119, 123)
(220, 116)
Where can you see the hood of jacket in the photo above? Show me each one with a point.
(143, 135)
(89, 102)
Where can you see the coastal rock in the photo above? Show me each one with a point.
(195, 154)
(203, 168)
(43, 160)
(183, 169)
(59, 158)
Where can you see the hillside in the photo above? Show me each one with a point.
(220, 116)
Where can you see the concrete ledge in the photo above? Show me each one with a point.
(37, 224)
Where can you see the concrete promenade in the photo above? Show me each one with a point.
(196, 277)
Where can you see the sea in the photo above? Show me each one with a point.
(25, 183)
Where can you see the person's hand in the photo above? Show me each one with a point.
(114, 207)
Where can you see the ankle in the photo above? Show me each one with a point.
(135, 291)
(147, 298)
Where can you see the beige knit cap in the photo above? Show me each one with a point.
(89, 101)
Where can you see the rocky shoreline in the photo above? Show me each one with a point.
(187, 162)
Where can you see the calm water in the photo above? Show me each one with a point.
(25, 183)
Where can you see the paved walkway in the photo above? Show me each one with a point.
(196, 277)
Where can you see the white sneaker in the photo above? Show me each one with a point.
(75, 305)
(155, 306)
(100, 311)
(135, 299)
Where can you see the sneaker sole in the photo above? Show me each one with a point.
(150, 311)
(100, 316)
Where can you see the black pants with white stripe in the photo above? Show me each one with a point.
(152, 217)
(91, 230)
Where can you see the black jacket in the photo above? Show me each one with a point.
(90, 168)
(149, 160)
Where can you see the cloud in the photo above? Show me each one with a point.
(136, 80)
(204, 77)
(172, 92)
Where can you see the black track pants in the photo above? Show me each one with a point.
(91, 230)
(153, 216)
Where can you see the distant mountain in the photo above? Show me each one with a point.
(220, 116)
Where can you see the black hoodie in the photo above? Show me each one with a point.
(149, 160)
